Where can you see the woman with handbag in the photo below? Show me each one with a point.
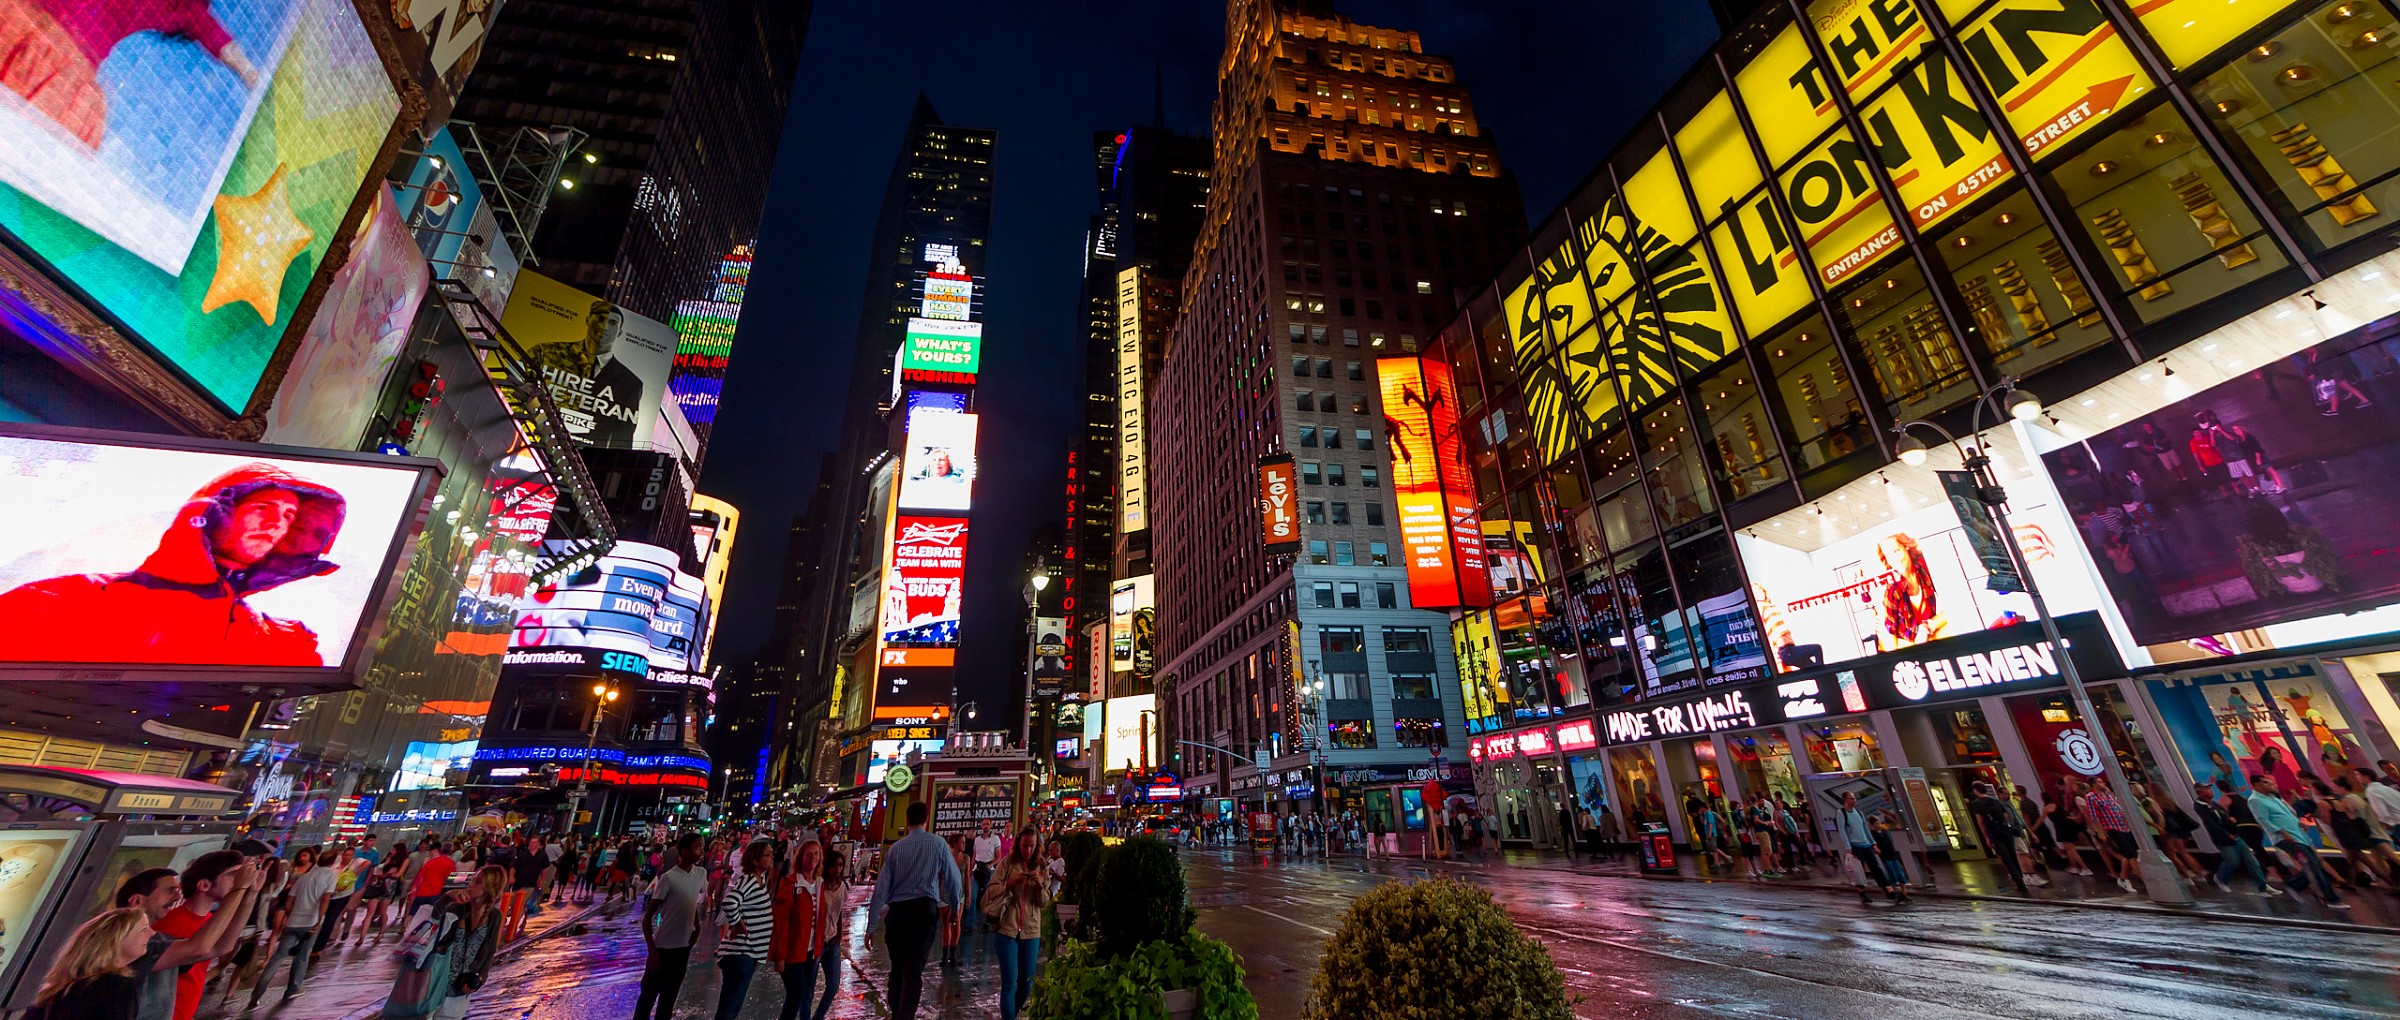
(954, 918)
(475, 936)
(799, 927)
(1013, 904)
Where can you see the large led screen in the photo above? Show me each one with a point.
(1130, 719)
(924, 582)
(635, 600)
(112, 552)
(187, 165)
(1906, 582)
(1440, 535)
(328, 396)
(606, 368)
(2267, 499)
(938, 470)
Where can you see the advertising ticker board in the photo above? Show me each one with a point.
(1278, 503)
(1133, 507)
(1441, 533)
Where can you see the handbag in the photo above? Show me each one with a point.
(420, 990)
(425, 930)
(997, 899)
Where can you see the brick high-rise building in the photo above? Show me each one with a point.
(1353, 197)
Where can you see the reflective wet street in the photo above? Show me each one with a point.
(1640, 949)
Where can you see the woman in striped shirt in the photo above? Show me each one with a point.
(747, 912)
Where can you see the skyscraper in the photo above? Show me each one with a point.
(1353, 196)
(926, 267)
(683, 103)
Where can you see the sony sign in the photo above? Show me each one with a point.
(1918, 679)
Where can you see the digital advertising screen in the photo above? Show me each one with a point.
(186, 166)
(1440, 533)
(1910, 580)
(1127, 719)
(606, 368)
(924, 581)
(935, 345)
(328, 396)
(937, 471)
(704, 345)
(635, 600)
(1133, 624)
(2262, 500)
(113, 550)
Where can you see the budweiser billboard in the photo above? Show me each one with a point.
(1441, 534)
(1278, 503)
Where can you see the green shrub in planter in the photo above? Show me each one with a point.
(1136, 897)
(1082, 851)
(1400, 950)
(1082, 984)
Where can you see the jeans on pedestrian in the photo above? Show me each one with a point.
(829, 961)
(734, 989)
(1872, 865)
(662, 981)
(2312, 870)
(2005, 848)
(974, 914)
(799, 986)
(908, 936)
(292, 942)
(1019, 959)
(334, 913)
(2234, 854)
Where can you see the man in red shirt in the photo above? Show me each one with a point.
(213, 881)
(432, 877)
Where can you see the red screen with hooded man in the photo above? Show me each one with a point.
(130, 554)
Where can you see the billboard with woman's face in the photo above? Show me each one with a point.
(114, 550)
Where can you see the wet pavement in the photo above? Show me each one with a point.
(1633, 949)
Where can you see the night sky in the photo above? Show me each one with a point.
(1557, 83)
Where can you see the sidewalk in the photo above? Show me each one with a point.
(354, 978)
(2371, 910)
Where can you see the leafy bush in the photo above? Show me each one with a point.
(1136, 897)
(1082, 852)
(1399, 949)
(1082, 984)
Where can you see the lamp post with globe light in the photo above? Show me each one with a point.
(2159, 878)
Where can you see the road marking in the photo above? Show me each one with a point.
(1327, 932)
(1577, 937)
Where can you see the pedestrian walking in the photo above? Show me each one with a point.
(954, 919)
(295, 926)
(799, 915)
(670, 924)
(837, 924)
(1021, 892)
(2000, 829)
(918, 880)
(2281, 826)
(432, 877)
(100, 973)
(986, 852)
(475, 935)
(2233, 852)
(1861, 839)
(349, 874)
(746, 913)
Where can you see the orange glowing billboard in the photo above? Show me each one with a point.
(1440, 533)
(1278, 503)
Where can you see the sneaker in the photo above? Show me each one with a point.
(2338, 905)
(2125, 884)
(2220, 883)
(2036, 880)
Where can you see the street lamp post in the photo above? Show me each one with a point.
(602, 694)
(2159, 878)
(1033, 637)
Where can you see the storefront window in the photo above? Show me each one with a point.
(2311, 106)
(1893, 319)
(1819, 403)
(1624, 519)
(2186, 40)
(1741, 444)
(2171, 227)
(1412, 732)
(2235, 729)
(1678, 482)
(1352, 733)
(1636, 775)
(1966, 737)
(1842, 747)
(2027, 305)
(1764, 759)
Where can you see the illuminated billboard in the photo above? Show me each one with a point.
(443, 206)
(1278, 503)
(949, 294)
(115, 548)
(605, 367)
(636, 599)
(1133, 500)
(328, 395)
(1441, 536)
(933, 345)
(1903, 582)
(924, 581)
(1133, 626)
(187, 166)
(1129, 720)
(937, 470)
(704, 342)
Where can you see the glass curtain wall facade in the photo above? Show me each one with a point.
(1856, 214)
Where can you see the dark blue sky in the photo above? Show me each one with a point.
(1557, 83)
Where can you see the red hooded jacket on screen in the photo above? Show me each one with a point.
(181, 606)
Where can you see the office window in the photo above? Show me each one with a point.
(1308, 436)
(1358, 405)
(1341, 640)
(1342, 556)
(1299, 364)
(1369, 477)
(1323, 590)
(1424, 286)
(1414, 731)
(1329, 402)
(1324, 368)
(1333, 439)
(1358, 371)
(1341, 513)
(1349, 591)
(1379, 553)
(1366, 439)
(1375, 513)
(1349, 336)
(1386, 596)
(1299, 334)
(1407, 639)
(1316, 551)
(1309, 470)
(1333, 475)
(1316, 511)
(1351, 733)
(1304, 400)
(1316, 334)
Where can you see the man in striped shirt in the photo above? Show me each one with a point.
(749, 923)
